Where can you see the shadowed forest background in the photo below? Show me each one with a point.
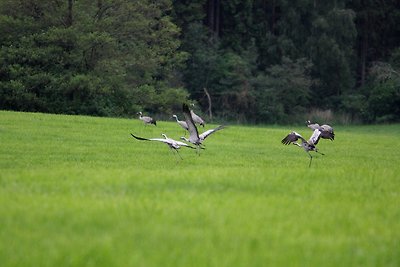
(248, 61)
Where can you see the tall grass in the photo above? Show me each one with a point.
(79, 191)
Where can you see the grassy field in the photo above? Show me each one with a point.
(79, 191)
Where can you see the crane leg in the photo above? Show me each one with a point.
(309, 165)
(178, 154)
(172, 150)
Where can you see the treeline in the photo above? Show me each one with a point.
(258, 61)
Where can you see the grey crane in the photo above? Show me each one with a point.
(194, 136)
(207, 133)
(183, 124)
(173, 144)
(197, 119)
(146, 119)
(325, 129)
(307, 145)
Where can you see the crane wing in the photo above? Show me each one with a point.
(194, 134)
(151, 139)
(292, 137)
(208, 132)
(314, 139)
(183, 144)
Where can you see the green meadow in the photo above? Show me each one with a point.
(80, 191)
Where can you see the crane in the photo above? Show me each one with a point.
(183, 124)
(194, 136)
(325, 129)
(173, 144)
(204, 135)
(146, 119)
(197, 119)
(307, 145)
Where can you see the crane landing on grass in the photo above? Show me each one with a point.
(307, 145)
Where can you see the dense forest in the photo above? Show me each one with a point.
(249, 61)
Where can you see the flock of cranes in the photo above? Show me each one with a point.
(189, 124)
(195, 140)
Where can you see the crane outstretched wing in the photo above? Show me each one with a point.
(171, 142)
(211, 131)
(150, 139)
(292, 137)
(183, 144)
(314, 139)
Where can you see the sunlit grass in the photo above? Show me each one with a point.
(80, 191)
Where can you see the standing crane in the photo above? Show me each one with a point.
(307, 145)
(194, 136)
(146, 119)
(325, 129)
(173, 144)
(183, 124)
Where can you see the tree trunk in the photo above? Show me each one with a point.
(210, 14)
(209, 103)
(217, 17)
(272, 24)
(69, 13)
(363, 52)
(213, 16)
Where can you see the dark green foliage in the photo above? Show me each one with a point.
(384, 95)
(86, 57)
(284, 92)
(254, 86)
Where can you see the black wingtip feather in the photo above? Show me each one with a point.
(138, 138)
(285, 141)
